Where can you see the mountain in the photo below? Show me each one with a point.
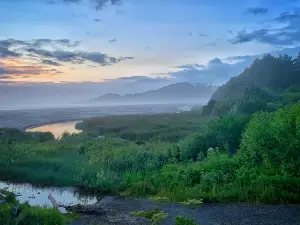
(174, 93)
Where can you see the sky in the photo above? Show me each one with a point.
(90, 47)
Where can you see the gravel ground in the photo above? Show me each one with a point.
(115, 210)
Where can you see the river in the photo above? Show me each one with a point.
(57, 129)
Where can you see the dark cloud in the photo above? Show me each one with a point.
(138, 79)
(39, 43)
(15, 48)
(5, 52)
(77, 56)
(257, 11)
(61, 42)
(97, 20)
(288, 17)
(96, 4)
(288, 34)
(112, 40)
(125, 58)
(231, 32)
(35, 49)
(190, 66)
(50, 62)
(7, 43)
(63, 56)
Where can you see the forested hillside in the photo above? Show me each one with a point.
(268, 84)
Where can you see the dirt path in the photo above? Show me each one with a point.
(115, 210)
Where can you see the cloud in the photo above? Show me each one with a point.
(219, 71)
(231, 32)
(77, 57)
(138, 79)
(15, 48)
(38, 49)
(287, 35)
(96, 4)
(213, 43)
(97, 20)
(61, 42)
(215, 71)
(39, 43)
(112, 40)
(50, 62)
(12, 72)
(288, 17)
(257, 11)
(190, 66)
(5, 53)
(203, 35)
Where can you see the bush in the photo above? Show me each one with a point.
(273, 141)
(180, 220)
(30, 215)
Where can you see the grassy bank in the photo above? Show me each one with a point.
(232, 159)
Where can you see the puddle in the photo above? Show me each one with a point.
(38, 196)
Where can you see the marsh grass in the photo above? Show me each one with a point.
(155, 215)
(30, 215)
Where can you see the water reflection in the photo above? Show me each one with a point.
(57, 129)
(38, 196)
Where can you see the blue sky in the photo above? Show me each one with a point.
(175, 40)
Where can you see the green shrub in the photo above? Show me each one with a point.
(180, 220)
(155, 215)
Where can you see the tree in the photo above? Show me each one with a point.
(272, 140)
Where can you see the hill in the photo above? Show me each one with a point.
(268, 72)
(268, 84)
(175, 93)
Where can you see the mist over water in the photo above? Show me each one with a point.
(57, 129)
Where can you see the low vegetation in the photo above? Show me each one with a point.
(13, 213)
(155, 215)
(142, 128)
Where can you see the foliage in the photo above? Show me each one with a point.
(192, 203)
(224, 133)
(180, 220)
(272, 140)
(268, 84)
(155, 215)
(30, 215)
(11, 135)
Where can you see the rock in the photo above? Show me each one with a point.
(94, 209)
